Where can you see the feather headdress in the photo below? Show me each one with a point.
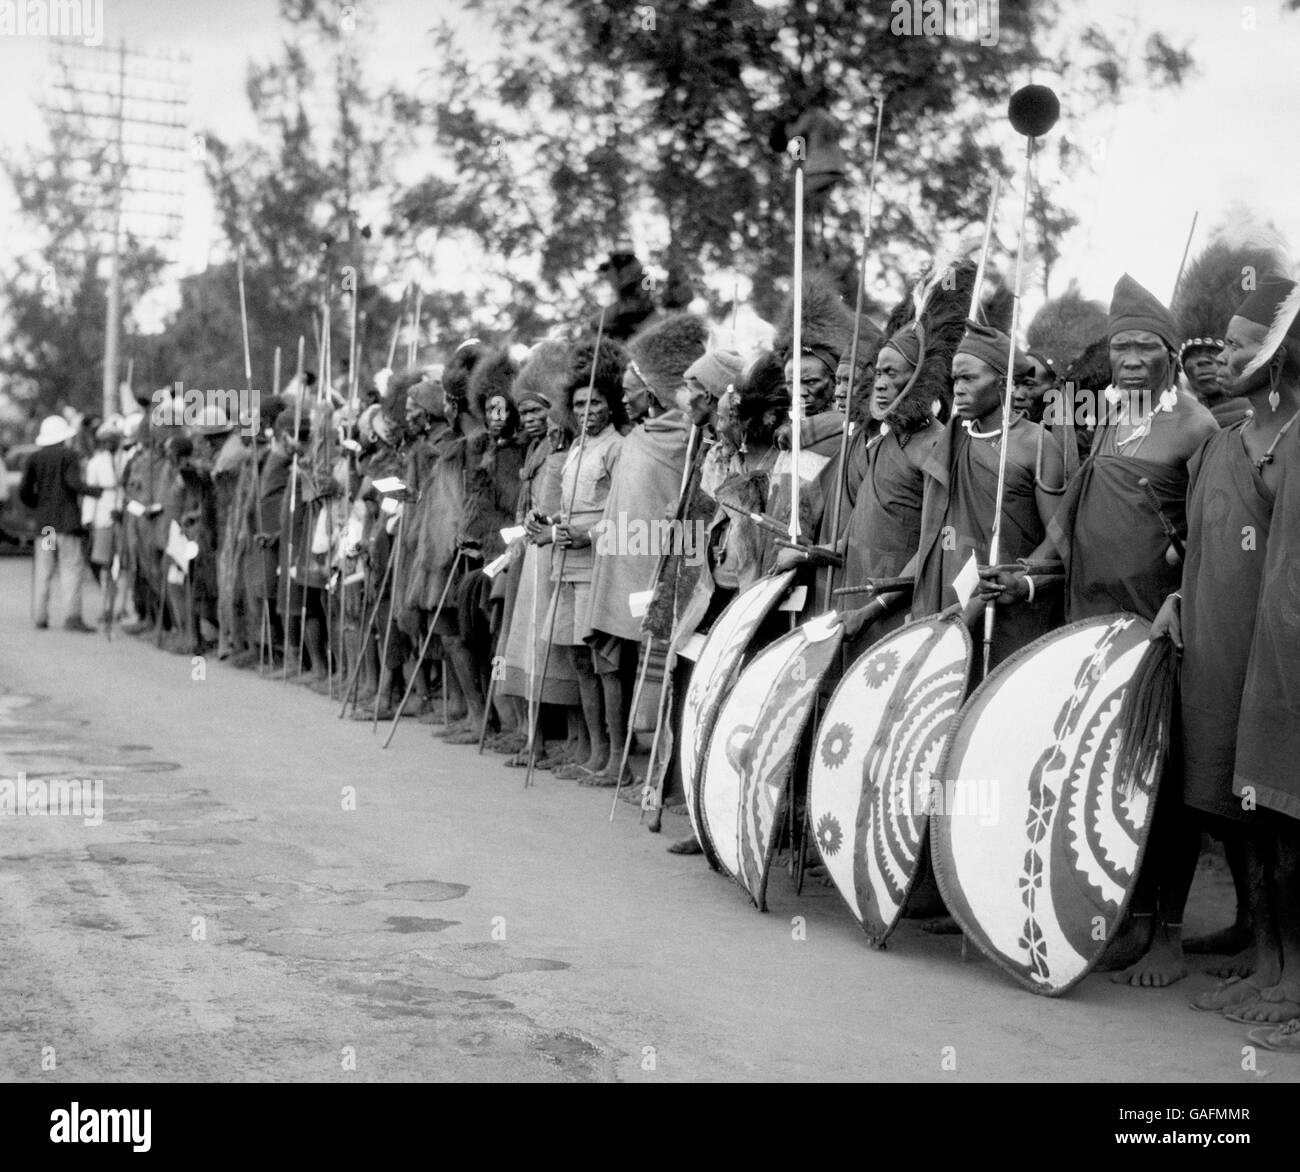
(1283, 327)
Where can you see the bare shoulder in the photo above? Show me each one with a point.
(1196, 423)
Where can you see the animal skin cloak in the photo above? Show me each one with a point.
(1268, 732)
(633, 530)
(1229, 509)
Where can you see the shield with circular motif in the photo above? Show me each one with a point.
(874, 757)
(746, 778)
(714, 673)
(1036, 846)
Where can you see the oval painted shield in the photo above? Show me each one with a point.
(751, 751)
(715, 671)
(876, 752)
(1036, 847)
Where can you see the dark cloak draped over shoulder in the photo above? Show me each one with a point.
(1111, 539)
(1268, 732)
(1228, 513)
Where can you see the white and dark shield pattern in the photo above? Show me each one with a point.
(1038, 871)
(874, 758)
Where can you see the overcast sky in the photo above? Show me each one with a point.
(1227, 138)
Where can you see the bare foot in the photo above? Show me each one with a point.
(1163, 964)
(1241, 965)
(1130, 944)
(1277, 1003)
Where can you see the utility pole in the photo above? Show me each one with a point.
(128, 107)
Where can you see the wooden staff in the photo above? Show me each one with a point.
(366, 627)
(414, 344)
(397, 329)
(1033, 111)
(293, 497)
(326, 397)
(564, 553)
(678, 510)
(837, 502)
(424, 648)
(395, 552)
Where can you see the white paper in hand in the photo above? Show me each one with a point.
(966, 580)
(639, 602)
(389, 484)
(137, 509)
(512, 533)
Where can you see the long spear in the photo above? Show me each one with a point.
(984, 252)
(1033, 111)
(564, 553)
(796, 396)
(293, 497)
(838, 503)
(264, 628)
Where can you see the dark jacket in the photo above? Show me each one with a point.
(50, 487)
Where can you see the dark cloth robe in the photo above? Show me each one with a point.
(1268, 731)
(1229, 509)
(1111, 538)
(884, 528)
(957, 521)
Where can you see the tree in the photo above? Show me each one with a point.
(590, 118)
(56, 294)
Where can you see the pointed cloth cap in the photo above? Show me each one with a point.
(716, 371)
(989, 345)
(1134, 308)
(1261, 306)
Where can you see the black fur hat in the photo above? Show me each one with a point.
(610, 363)
(493, 374)
(942, 300)
(827, 325)
(661, 353)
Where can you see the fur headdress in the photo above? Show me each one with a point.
(827, 325)
(661, 354)
(610, 362)
(493, 374)
(544, 375)
(926, 327)
(455, 378)
(1215, 282)
(1065, 326)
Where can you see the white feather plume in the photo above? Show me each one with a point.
(1283, 319)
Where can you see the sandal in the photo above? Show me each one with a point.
(1284, 1038)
